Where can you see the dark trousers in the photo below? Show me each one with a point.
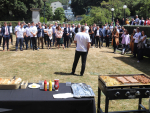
(6, 39)
(31, 42)
(114, 45)
(19, 40)
(34, 43)
(98, 41)
(70, 41)
(26, 41)
(92, 39)
(49, 41)
(66, 40)
(102, 40)
(54, 35)
(76, 59)
(135, 49)
(11, 37)
(0, 40)
(140, 54)
(45, 38)
(107, 41)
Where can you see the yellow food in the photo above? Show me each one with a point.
(110, 81)
(33, 86)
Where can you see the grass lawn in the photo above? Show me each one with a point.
(51, 64)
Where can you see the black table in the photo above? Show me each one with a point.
(38, 101)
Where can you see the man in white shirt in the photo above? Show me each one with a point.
(33, 31)
(83, 44)
(20, 32)
(98, 35)
(87, 28)
(136, 40)
(11, 32)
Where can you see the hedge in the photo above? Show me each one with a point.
(142, 28)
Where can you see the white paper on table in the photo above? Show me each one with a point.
(63, 95)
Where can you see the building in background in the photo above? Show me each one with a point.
(56, 5)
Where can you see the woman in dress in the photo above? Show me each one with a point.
(59, 34)
(49, 38)
(142, 41)
(132, 41)
(115, 39)
(125, 41)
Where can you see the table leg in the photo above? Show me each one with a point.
(99, 100)
(106, 104)
(140, 101)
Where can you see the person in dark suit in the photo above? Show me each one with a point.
(132, 22)
(108, 35)
(78, 29)
(40, 35)
(98, 35)
(6, 35)
(66, 35)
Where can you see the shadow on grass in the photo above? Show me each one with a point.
(64, 73)
(143, 66)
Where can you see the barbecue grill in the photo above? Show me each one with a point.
(123, 91)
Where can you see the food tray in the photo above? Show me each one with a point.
(9, 86)
(126, 84)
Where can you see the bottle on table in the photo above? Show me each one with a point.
(45, 85)
(50, 85)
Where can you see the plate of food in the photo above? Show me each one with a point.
(34, 85)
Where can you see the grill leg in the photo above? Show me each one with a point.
(140, 101)
(106, 104)
(99, 100)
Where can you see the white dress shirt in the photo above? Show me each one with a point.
(10, 27)
(142, 38)
(6, 30)
(82, 40)
(136, 37)
(20, 32)
(28, 31)
(71, 31)
(97, 33)
(87, 29)
(50, 33)
(34, 30)
(16, 28)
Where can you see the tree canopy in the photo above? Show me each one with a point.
(18, 9)
(59, 14)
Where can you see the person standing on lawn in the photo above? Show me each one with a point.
(20, 33)
(83, 44)
(6, 35)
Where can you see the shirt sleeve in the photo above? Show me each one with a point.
(88, 39)
(75, 39)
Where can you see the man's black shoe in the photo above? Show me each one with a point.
(72, 73)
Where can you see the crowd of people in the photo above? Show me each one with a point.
(136, 21)
(40, 35)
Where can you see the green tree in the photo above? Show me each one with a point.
(18, 9)
(48, 12)
(59, 14)
(118, 6)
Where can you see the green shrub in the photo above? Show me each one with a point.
(42, 20)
